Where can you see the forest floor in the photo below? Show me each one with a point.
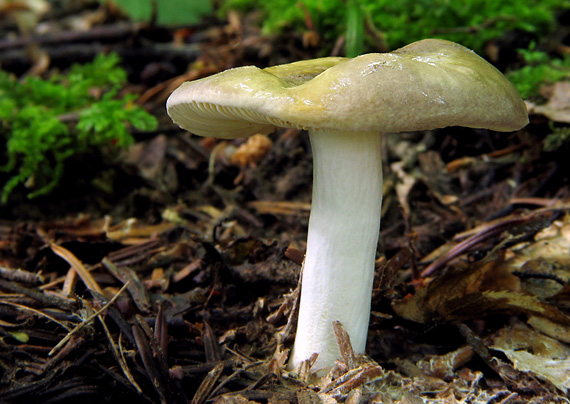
(177, 284)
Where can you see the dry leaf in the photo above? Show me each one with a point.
(443, 366)
(500, 302)
(535, 353)
(452, 290)
(558, 106)
(552, 243)
(251, 151)
(234, 399)
(557, 331)
(404, 186)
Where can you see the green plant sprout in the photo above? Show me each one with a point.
(539, 69)
(45, 122)
(354, 29)
(469, 22)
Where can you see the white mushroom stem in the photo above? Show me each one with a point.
(343, 234)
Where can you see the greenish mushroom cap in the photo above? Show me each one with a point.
(425, 85)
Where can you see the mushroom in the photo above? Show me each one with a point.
(345, 105)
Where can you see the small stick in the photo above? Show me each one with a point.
(87, 321)
(19, 275)
(39, 313)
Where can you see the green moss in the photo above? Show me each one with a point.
(540, 69)
(45, 122)
(470, 22)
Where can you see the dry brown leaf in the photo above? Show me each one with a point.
(404, 186)
(234, 399)
(557, 331)
(448, 292)
(491, 286)
(251, 151)
(478, 290)
(544, 263)
(552, 243)
(500, 302)
(307, 396)
(558, 106)
(535, 353)
(443, 366)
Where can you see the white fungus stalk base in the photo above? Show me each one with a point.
(344, 225)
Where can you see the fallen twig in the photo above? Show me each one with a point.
(87, 321)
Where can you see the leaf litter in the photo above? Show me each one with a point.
(186, 290)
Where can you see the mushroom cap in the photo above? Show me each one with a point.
(428, 84)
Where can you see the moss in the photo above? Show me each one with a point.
(470, 22)
(540, 69)
(43, 122)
